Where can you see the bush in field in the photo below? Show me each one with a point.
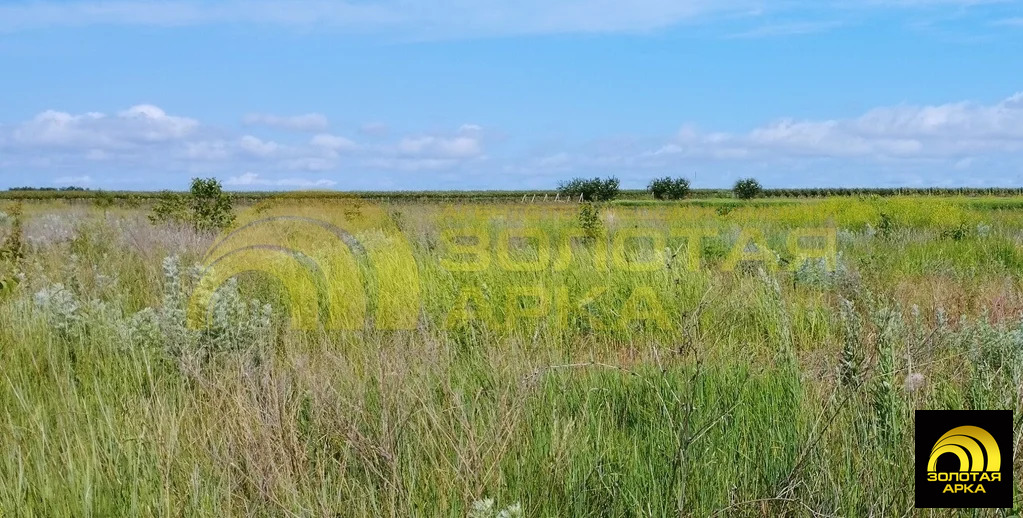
(133, 201)
(885, 226)
(589, 220)
(747, 188)
(207, 207)
(211, 207)
(170, 207)
(668, 188)
(594, 189)
(233, 323)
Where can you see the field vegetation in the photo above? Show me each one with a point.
(556, 367)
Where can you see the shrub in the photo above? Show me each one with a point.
(668, 188)
(207, 207)
(593, 189)
(885, 226)
(589, 220)
(747, 188)
(170, 207)
(211, 207)
(133, 201)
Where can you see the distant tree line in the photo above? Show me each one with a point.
(56, 189)
(592, 189)
(666, 188)
(679, 188)
(587, 189)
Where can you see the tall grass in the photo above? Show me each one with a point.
(761, 392)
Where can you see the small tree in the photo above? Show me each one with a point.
(668, 188)
(593, 189)
(747, 188)
(589, 220)
(207, 207)
(211, 206)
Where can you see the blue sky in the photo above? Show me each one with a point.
(469, 94)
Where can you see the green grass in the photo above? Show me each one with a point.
(552, 393)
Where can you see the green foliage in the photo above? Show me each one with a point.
(957, 232)
(103, 200)
(211, 207)
(593, 189)
(668, 188)
(885, 226)
(206, 207)
(589, 220)
(170, 207)
(769, 396)
(747, 189)
(13, 247)
(133, 201)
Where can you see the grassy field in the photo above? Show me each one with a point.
(562, 359)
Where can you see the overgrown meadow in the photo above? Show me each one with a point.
(563, 361)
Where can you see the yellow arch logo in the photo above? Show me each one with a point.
(975, 448)
(343, 265)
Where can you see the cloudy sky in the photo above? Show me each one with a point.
(468, 94)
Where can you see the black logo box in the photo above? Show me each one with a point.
(930, 426)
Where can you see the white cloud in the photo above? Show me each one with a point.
(332, 143)
(904, 131)
(309, 122)
(255, 180)
(375, 129)
(429, 146)
(256, 147)
(309, 163)
(961, 143)
(145, 138)
(786, 29)
(208, 150)
(971, 141)
(1010, 22)
(411, 164)
(136, 126)
(72, 180)
(889, 133)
